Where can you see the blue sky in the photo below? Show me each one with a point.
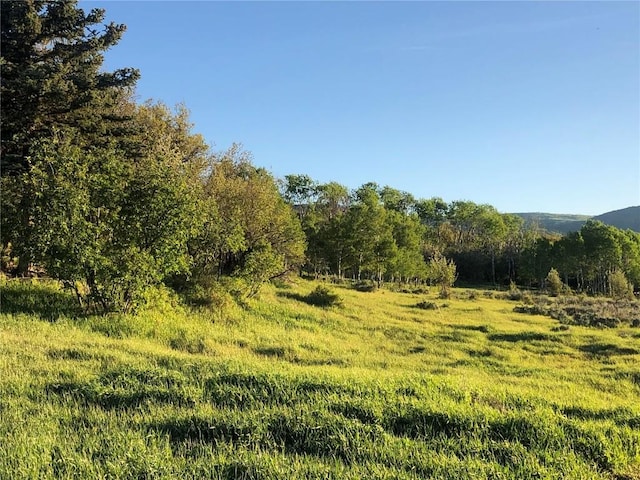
(525, 106)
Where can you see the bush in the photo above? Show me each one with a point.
(444, 273)
(531, 309)
(620, 286)
(424, 305)
(365, 286)
(554, 283)
(323, 297)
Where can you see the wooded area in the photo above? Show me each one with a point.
(112, 197)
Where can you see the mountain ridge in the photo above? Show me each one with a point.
(624, 218)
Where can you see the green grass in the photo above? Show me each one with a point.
(375, 388)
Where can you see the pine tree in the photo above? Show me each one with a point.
(51, 54)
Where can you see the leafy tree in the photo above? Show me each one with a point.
(518, 239)
(300, 191)
(432, 212)
(396, 200)
(554, 282)
(370, 237)
(443, 273)
(250, 232)
(604, 253)
(51, 56)
(629, 242)
(619, 285)
(408, 235)
(109, 222)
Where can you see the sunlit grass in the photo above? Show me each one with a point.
(374, 388)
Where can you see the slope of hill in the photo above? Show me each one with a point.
(375, 389)
(555, 222)
(564, 223)
(625, 218)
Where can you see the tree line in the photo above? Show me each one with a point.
(113, 197)
(383, 234)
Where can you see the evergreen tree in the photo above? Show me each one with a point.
(51, 55)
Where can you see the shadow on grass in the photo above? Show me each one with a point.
(473, 328)
(607, 349)
(621, 416)
(44, 299)
(321, 435)
(320, 297)
(126, 388)
(522, 337)
(247, 390)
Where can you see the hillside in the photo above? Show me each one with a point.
(377, 388)
(555, 222)
(626, 218)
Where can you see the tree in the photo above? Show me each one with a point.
(51, 56)
(250, 231)
(396, 200)
(299, 191)
(603, 254)
(370, 241)
(554, 283)
(408, 264)
(443, 273)
(107, 221)
(620, 286)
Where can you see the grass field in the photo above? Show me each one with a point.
(376, 388)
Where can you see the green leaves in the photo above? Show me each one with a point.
(249, 231)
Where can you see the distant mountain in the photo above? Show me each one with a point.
(564, 223)
(555, 222)
(626, 218)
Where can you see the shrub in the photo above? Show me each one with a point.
(444, 273)
(527, 298)
(323, 297)
(531, 309)
(554, 283)
(514, 292)
(620, 286)
(425, 305)
(365, 286)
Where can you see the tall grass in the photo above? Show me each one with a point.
(374, 388)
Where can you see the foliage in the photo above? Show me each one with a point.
(51, 80)
(8, 261)
(443, 273)
(322, 296)
(620, 286)
(250, 232)
(585, 311)
(554, 283)
(116, 225)
(365, 286)
(426, 305)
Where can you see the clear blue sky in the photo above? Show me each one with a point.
(525, 106)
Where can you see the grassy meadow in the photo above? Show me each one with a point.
(376, 388)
